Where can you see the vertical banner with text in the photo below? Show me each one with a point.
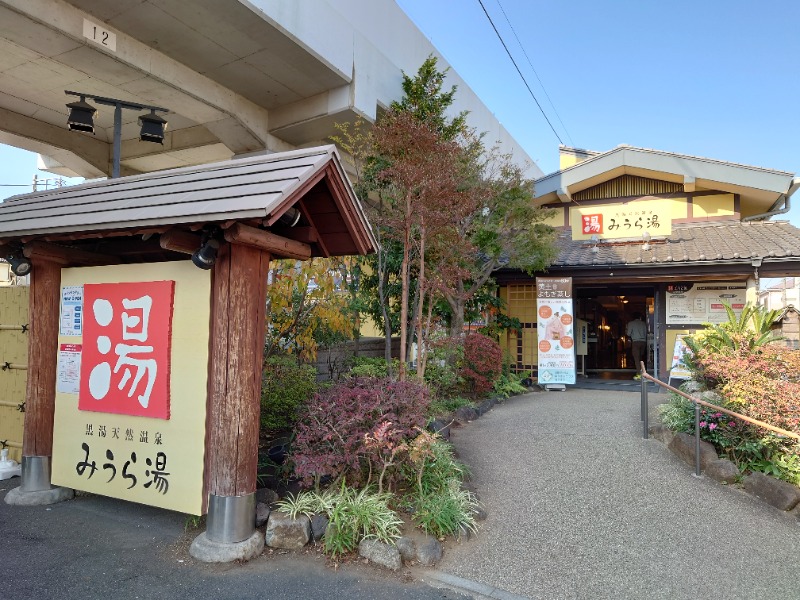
(556, 330)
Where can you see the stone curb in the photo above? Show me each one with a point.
(480, 591)
(756, 488)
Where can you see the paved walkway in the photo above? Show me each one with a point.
(581, 507)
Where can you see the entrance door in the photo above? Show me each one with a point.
(608, 310)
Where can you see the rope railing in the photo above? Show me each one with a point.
(22, 328)
(697, 404)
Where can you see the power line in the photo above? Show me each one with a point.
(530, 64)
(520, 72)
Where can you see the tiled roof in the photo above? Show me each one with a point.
(689, 243)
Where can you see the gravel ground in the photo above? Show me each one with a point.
(581, 507)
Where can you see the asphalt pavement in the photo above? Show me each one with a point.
(581, 507)
(93, 547)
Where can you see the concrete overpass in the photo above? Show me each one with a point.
(239, 76)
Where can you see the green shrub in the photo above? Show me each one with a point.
(509, 384)
(286, 386)
(445, 406)
(443, 367)
(374, 367)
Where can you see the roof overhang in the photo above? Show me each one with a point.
(249, 193)
(758, 187)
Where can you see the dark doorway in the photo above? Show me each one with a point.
(607, 311)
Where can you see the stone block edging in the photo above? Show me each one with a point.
(775, 492)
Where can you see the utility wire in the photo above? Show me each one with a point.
(520, 72)
(530, 64)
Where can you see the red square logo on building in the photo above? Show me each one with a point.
(127, 335)
(592, 223)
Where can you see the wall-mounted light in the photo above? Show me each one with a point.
(595, 239)
(646, 238)
(20, 265)
(290, 218)
(205, 256)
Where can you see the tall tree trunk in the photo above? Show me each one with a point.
(457, 308)
(423, 357)
(421, 338)
(404, 279)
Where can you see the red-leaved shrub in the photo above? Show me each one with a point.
(483, 362)
(762, 383)
(334, 427)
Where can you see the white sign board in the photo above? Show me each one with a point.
(697, 303)
(94, 32)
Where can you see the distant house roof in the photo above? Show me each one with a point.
(258, 189)
(759, 188)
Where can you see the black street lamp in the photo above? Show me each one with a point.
(81, 118)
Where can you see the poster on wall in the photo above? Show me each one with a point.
(555, 330)
(698, 303)
(71, 310)
(131, 398)
(68, 372)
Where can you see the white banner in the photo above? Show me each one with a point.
(555, 326)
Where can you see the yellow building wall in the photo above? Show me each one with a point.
(521, 303)
(557, 218)
(13, 350)
(712, 207)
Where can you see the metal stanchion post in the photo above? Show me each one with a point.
(646, 409)
(697, 439)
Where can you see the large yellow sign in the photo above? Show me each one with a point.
(139, 432)
(622, 220)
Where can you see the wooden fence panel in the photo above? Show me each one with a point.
(13, 357)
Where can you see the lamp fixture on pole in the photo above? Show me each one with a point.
(81, 118)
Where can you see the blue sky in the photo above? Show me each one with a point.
(710, 78)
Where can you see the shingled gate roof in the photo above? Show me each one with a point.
(256, 189)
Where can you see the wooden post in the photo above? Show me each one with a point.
(40, 396)
(238, 305)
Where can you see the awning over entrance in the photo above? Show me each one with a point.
(252, 192)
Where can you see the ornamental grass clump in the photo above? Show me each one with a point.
(353, 515)
(438, 503)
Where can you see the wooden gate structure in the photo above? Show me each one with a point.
(231, 218)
